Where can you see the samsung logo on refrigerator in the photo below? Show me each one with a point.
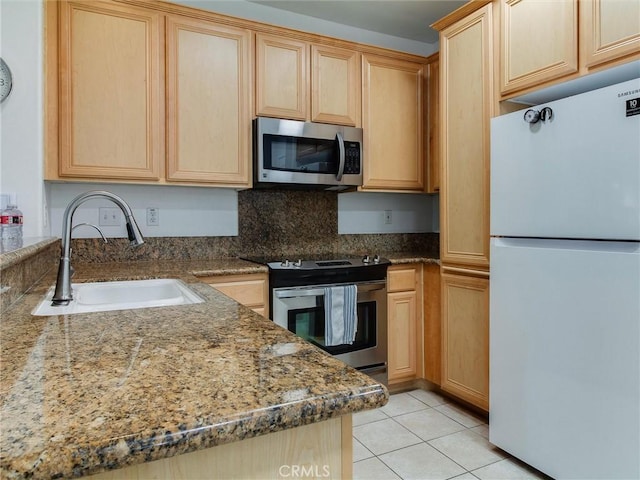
(630, 92)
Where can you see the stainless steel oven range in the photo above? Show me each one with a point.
(297, 290)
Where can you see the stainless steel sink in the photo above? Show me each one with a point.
(121, 295)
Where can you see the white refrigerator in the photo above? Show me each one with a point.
(565, 285)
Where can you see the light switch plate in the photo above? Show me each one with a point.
(109, 217)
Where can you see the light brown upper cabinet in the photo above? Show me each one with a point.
(335, 85)
(433, 121)
(539, 42)
(119, 106)
(610, 30)
(466, 107)
(282, 70)
(208, 102)
(303, 81)
(545, 41)
(392, 120)
(111, 97)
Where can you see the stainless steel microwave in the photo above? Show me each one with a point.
(304, 154)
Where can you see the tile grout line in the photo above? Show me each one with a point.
(421, 441)
(466, 470)
(389, 467)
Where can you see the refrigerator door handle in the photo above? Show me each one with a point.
(567, 244)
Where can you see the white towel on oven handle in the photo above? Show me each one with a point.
(341, 314)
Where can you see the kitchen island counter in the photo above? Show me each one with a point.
(87, 393)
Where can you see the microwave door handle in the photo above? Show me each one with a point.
(340, 141)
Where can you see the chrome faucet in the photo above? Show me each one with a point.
(63, 294)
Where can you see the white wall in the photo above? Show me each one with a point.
(360, 212)
(21, 120)
(184, 211)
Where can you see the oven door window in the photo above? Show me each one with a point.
(297, 154)
(309, 324)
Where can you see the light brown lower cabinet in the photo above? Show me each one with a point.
(251, 290)
(465, 337)
(432, 341)
(404, 308)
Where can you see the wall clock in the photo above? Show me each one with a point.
(6, 81)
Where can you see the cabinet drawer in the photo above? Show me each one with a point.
(249, 290)
(247, 293)
(401, 279)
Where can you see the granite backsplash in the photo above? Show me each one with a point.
(281, 223)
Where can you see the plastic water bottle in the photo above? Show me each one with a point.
(11, 226)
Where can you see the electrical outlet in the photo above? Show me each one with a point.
(387, 217)
(153, 216)
(109, 217)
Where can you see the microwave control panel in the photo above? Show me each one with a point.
(352, 158)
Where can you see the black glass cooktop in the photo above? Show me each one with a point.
(321, 257)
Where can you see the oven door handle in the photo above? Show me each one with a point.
(316, 291)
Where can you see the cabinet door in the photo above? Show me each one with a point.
(335, 85)
(250, 290)
(208, 102)
(466, 96)
(609, 30)
(403, 302)
(433, 120)
(281, 77)
(539, 42)
(465, 338)
(111, 91)
(402, 319)
(392, 124)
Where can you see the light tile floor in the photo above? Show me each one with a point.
(423, 435)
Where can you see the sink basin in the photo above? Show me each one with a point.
(124, 295)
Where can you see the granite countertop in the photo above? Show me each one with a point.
(28, 247)
(398, 258)
(88, 392)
